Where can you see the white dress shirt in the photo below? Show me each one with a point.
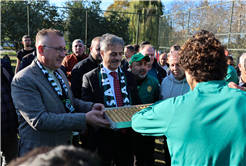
(111, 80)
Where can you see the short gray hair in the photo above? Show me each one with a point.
(242, 60)
(78, 40)
(110, 39)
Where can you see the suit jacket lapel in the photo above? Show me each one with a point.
(44, 81)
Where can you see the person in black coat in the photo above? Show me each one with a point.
(85, 66)
(100, 85)
(78, 71)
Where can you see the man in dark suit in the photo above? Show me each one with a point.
(78, 71)
(47, 111)
(114, 87)
(85, 66)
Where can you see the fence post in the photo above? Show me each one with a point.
(137, 31)
(28, 26)
(159, 30)
(188, 27)
(229, 33)
(86, 31)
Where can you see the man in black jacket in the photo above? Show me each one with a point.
(78, 71)
(114, 87)
(154, 69)
(85, 66)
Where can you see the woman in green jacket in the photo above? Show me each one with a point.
(206, 126)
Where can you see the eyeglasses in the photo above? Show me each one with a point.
(59, 50)
(27, 40)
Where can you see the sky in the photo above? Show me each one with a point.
(104, 5)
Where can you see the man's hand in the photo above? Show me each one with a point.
(234, 85)
(97, 106)
(95, 118)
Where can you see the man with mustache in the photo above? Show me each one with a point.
(114, 87)
(77, 56)
(148, 90)
(47, 111)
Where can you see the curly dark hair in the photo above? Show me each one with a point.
(203, 57)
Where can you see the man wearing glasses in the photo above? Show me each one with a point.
(71, 60)
(47, 112)
(26, 41)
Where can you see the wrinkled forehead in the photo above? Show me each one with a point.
(77, 43)
(54, 40)
(173, 60)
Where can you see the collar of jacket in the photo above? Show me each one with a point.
(92, 59)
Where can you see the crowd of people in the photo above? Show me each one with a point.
(54, 101)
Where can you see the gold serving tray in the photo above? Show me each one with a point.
(120, 117)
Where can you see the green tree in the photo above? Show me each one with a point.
(76, 20)
(117, 6)
(117, 25)
(14, 22)
(97, 23)
(149, 12)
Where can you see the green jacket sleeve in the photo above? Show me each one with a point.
(154, 120)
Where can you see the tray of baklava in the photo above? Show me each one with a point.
(120, 117)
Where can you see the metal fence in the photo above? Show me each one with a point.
(226, 20)
(140, 26)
